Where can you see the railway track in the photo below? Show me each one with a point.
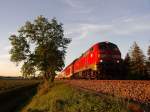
(136, 90)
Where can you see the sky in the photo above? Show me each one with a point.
(85, 21)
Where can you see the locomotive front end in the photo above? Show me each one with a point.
(109, 61)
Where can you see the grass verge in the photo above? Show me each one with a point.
(61, 97)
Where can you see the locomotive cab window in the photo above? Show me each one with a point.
(108, 46)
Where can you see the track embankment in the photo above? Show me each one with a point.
(137, 90)
(12, 99)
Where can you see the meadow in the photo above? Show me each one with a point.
(15, 92)
(60, 97)
(9, 84)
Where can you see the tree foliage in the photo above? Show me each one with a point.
(148, 62)
(127, 62)
(41, 46)
(137, 62)
(148, 53)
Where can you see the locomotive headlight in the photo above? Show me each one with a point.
(101, 61)
(118, 61)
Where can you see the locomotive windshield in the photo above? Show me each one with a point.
(108, 46)
(112, 46)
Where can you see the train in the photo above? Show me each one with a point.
(101, 61)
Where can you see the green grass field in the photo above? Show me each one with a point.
(60, 97)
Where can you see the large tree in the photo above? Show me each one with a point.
(148, 53)
(148, 62)
(137, 63)
(40, 46)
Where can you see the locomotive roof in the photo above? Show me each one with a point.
(106, 42)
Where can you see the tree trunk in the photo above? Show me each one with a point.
(49, 76)
(52, 77)
(45, 76)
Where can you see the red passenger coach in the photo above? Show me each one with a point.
(101, 61)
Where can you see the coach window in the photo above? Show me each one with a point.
(86, 53)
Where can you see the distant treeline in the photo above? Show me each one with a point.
(8, 77)
(136, 64)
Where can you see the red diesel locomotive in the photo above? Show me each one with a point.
(101, 61)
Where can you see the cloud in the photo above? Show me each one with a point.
(4, 57)
(73, 3)
(78, 7)
(82, 11)
(7, 48)
(128, 20)
(90, 29)
(131, 26)
(82, 30)
(126, 26)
